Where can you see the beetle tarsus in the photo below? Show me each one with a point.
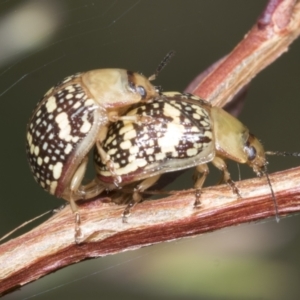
(78, 232)
(127, 212)
(197, 202)
(234, 188)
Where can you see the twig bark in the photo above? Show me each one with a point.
(50, 246)
(275, 30)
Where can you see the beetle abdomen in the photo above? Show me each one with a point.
(57, 133)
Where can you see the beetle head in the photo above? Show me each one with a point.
(255, 155)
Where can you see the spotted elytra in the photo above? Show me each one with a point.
(186, 132)
(71, 118)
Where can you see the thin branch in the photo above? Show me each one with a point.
(275, 30)
(50, 246)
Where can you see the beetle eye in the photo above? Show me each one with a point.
(251, 152)
(141, 90)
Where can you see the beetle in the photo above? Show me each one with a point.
(69, 120)
(186, 132)
(72, 117)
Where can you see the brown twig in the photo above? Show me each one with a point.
(274, 31)
(51, 246)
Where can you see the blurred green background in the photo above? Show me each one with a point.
(41, 42)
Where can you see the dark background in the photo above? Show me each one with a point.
(253, 261)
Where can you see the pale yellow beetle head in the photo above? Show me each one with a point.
(142, 85)
(234, 141)
(114, 88)
(256, 155)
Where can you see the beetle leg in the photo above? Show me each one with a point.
(78, 191)
(139, 119)
(74, 187)
(137, 197)
(77, 180)
(105, 158)
(90, 190)
(200, 174)
(221, 165)
(109, 164)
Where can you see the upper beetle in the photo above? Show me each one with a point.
(69, 120)
(72, 117)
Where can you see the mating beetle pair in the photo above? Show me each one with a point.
(161, 133)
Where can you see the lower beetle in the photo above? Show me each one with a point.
(186, 132)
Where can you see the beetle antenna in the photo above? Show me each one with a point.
(239, 171)
(265, 172)
(283, 153)
(161, 66)
(278, 153)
